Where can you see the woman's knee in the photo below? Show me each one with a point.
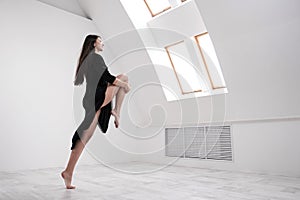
(123, 77)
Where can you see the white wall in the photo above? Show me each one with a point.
(270, 147)
(257, 44)
(39, 49)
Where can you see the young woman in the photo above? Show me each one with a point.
(101, 88)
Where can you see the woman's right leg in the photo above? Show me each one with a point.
(76, 152)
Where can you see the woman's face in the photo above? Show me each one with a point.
(99, 44)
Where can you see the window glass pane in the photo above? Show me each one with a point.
(188, 76)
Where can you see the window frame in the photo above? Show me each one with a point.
(204, 61)
(155, 14)
(176, 74)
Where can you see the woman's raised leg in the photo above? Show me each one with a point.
(119, 92)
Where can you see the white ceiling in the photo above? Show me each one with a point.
(67, 5)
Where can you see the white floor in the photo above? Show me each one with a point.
(174, 183)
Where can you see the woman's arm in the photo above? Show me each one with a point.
(115, 81)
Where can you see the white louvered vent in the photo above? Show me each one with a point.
(207, 142)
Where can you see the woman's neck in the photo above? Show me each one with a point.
(97, 52)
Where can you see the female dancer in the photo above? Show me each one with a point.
(101, 88)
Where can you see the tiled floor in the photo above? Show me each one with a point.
(174, 183)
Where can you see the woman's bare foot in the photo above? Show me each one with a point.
(117, 117)
(67, 178)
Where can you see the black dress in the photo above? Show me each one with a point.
(97, 78)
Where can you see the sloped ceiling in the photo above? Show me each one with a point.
(67, 5)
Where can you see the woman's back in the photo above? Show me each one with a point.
(95, 69)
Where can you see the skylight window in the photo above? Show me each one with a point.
(181, 71)
(165, 73)
(157, 6)
(210, 60)
(187, 75)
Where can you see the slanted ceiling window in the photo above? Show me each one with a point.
(157, 6)
(196, 79)
(187, 75)
(210, 60)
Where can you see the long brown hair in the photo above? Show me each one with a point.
(87, 47)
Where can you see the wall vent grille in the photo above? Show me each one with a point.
(206, 142)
